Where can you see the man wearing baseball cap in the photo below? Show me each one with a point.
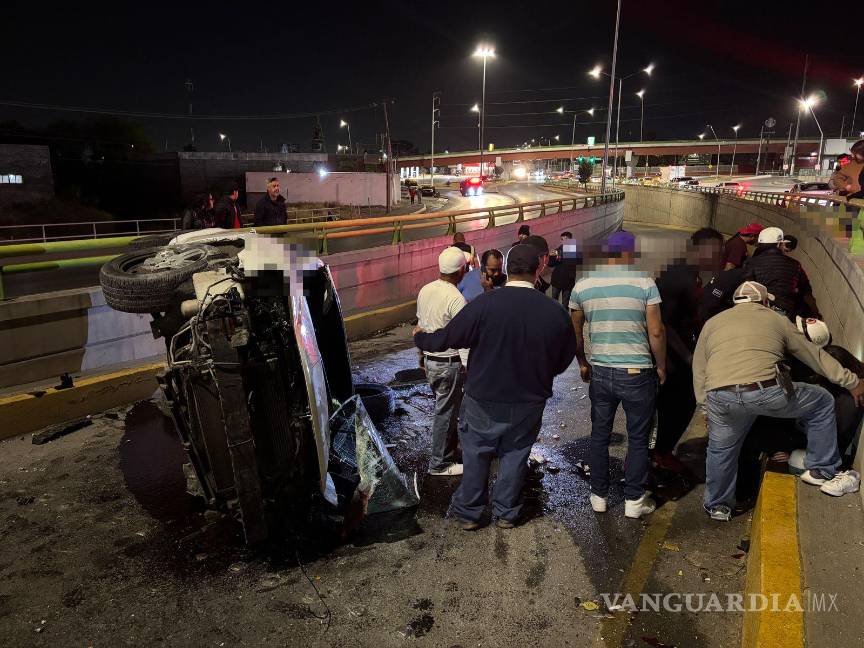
(438, 302)
(736, 378)
(735, 250)
(519, 341)
(782, 275)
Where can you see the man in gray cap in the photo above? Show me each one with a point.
(519, 341)
(736, 377)
(437, 303)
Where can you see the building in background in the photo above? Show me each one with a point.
(25, 174)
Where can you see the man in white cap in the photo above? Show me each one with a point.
(736, 378)
(782, 275)
(437, 304)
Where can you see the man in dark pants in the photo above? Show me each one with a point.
(564, 262)
(679, 288)
(227, 212)
(519, 341)
(622, 308)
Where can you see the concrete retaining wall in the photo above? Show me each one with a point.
(74, 330)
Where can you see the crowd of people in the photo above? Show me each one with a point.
(747, 345)
(225, 213)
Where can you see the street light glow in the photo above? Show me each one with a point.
(560, 109)
(557, 138)
(640, 94)
(475, 108)
(590, 111)
(596, 71)
(736, 127)
(342, 123)
(701, 136)
(485, 51)
(859, 82)
(648, 70)
(810, 101)
(222, 136)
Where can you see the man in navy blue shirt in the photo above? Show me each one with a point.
(519, 340)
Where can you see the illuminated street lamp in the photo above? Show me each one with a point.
(734, 149)
(596, 72)
(858, 83)
(344, 124)
(484, 51)
(718, 147)
(223, 137)
(807, 104)
(476, 108)
(641, 95)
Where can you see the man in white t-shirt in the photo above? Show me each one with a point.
(437, 303)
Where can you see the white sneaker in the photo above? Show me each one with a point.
(847, 481)
(450, 471)
(642, 506)
(814, 477)
(598, 503)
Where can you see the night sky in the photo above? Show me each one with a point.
(716, 62)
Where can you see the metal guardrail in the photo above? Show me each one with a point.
(85, 230)
(323, 232)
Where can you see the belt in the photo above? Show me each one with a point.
(761, 384)
(453, 358)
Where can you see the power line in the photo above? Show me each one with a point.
(184, 116)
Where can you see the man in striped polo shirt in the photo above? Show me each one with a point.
(622, 307)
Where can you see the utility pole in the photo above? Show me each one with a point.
(798, 118)
(389, 154)
(617, 133)
(190, 88)
(436, 101)
(611, 100)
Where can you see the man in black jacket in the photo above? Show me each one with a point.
(564, 264)
(519, 340)
(227, 212)
(270, 210)
(781, 275)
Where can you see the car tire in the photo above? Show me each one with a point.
(130, 288)
(378, 400)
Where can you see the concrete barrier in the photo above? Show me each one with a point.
(74, 331)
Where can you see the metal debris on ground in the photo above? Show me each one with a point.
(24, 501)
(56, 431)
(552, 469)
(670, 546)
(591, 606)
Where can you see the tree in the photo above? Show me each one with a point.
(499, 171)
(585, 171)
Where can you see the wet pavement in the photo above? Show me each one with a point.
(102, 546)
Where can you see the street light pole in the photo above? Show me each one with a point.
(485, 51)
(435, 98)
(718, 148)
(808, 103)
(344, 124)
(734, 150)
(858, 83)
(797, 119)
(223, 137)
(611, 99)
(641, 95)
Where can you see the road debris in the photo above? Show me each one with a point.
(670, 546)
(61, 429)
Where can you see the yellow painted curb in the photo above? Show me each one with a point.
(367, 322)
(31, 411)
(774, 568)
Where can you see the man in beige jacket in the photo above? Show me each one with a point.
(735, 378)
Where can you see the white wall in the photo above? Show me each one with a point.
(341, 188)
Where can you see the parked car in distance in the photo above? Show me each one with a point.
(429, 190)
(822, 188)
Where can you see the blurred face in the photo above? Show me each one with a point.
(749, 239)
(859, 157)
(235, 194)
(564, 239)
(209, 202)
(522, 237)
(273, 190)
(493, 268)
(708, 255)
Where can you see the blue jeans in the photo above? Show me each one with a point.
(487, 430)
(637, 393)
(731, 414)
